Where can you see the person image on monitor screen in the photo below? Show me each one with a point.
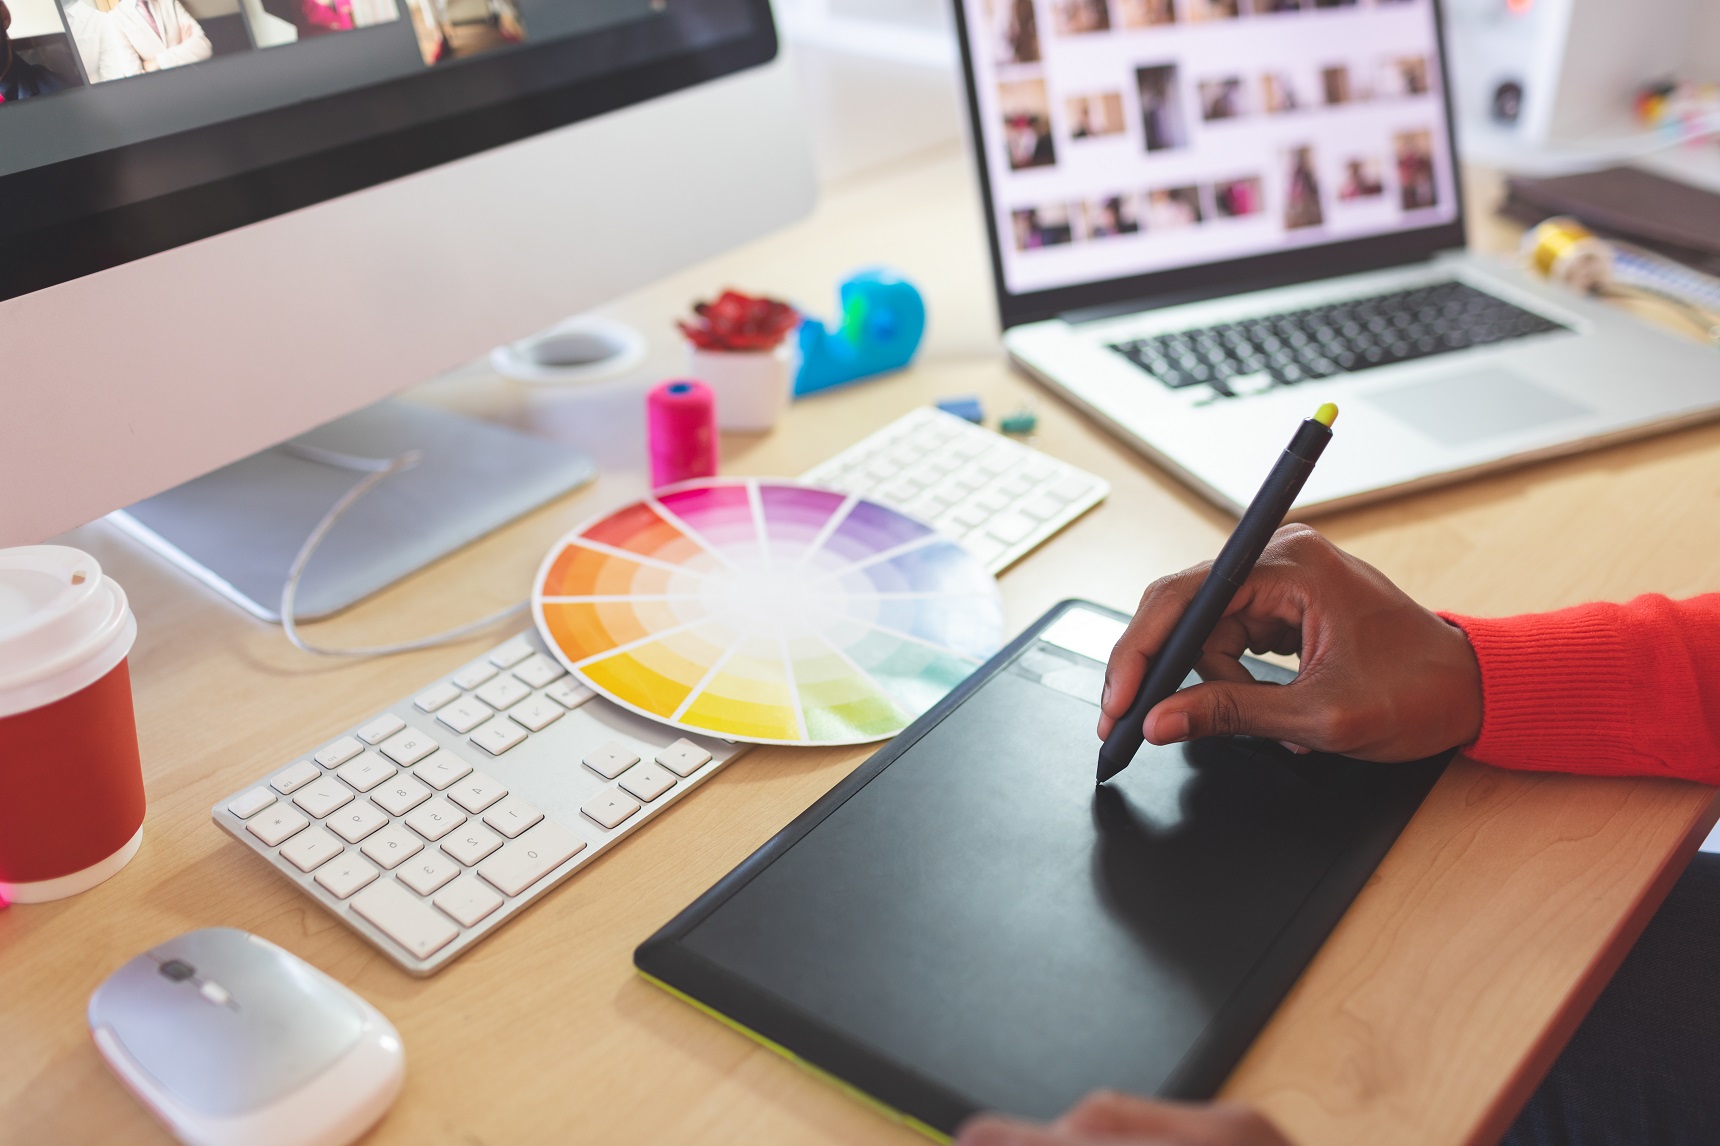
(19, 78)
(101, 41)
(126, 37)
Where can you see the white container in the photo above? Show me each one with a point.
(752, 387)
(71, 784)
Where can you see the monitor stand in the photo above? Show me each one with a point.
(239, 528)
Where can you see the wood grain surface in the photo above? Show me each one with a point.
(1426, 1018)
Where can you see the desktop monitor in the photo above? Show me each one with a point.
(225, 222)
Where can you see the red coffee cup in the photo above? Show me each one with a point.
(71, 785)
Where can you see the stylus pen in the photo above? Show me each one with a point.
(1235, 561)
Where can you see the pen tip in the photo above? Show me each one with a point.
(1327, 414)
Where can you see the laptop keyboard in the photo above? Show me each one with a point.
(1256, 354)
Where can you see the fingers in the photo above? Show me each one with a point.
(1161, 605)
(995, 1130)
(1229, 708)
(1109, 1116)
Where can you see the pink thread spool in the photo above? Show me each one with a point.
(681, 419)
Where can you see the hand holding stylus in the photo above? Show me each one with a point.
(1381, 677)
(1124, 1120)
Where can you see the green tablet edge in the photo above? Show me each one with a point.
(849, 1089)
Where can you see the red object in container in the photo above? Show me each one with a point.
(681, 432)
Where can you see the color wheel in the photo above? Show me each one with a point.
(762, 610)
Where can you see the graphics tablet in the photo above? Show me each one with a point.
(967, 923)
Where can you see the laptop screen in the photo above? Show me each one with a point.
(1131, 137)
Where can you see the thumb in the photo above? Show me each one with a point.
(1229, 708)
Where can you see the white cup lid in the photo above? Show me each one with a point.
(56, 610)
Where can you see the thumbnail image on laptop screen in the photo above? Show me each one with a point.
(1125, 137)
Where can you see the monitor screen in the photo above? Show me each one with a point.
(129, 126)
(1131, 137)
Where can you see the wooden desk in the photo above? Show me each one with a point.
(1426, 1018)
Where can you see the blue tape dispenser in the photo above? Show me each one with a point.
(883, 319)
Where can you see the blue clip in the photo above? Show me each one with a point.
(883, 319)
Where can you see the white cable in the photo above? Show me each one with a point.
(374, 470)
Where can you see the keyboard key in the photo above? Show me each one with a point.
(435, 819)
(498, 736)
(683, 758)
(1011, 528)
(471, 843)
(427, 872)
(434, 698)
(310, 849)
(357, 820)
(538, 670)
(970, 516)
(531, 857)
(251, 803)
(465, 714)
(648, 782)
(408, 921)
(392, 846)
(346, 874)
(984, 549)
(569, 693)
(1041, 508)
(339, 752)
(400, 795)
(610, 808)
(538, 713)
(611, 759)
(381, 728)
(275, 824)
(512, 816)
(503, 692)
(512, 653)
(1071, 488)
(477, 792)
(466, 901)
(323, 796)
(366, 772)
(442, 770)
(409, 747)
(474, 675)
(294, 777)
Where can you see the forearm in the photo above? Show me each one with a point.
(1617, 690)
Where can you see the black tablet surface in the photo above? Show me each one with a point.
(967, 923)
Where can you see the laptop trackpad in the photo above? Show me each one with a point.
(1464, 409)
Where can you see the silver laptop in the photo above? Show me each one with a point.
(1207, 217)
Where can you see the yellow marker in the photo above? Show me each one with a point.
(1327, 414)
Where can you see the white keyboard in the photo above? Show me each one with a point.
(997, 497)
(429, 825)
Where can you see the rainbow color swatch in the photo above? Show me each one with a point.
(755, 609)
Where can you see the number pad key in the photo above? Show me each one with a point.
(392, 846)
(531, 857)
(339, 752)
(466, 901)
(346, 874)
(381, 728)
(275, 824)
(323, 796)
(569, 693)
(292, 778)
(409, 747)
(400, 795)
(409, 922)
(357, 820)
(512, 816)
(435, 819)
(477, 792)
(538, 713)
(471, 843)
(442, 771)
(538, 670)
(309, 850)
(427, 872)
(498, 736)
(366, 772)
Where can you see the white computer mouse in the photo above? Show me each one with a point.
(232, 1041)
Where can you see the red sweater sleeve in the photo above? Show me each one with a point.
(1609, 690)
